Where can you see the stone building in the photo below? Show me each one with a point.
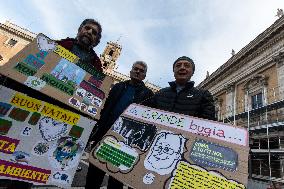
(14, 38)
(249, 92)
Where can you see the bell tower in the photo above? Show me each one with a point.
(110, 56)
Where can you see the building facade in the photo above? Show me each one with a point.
(14, 38)
(249, 92)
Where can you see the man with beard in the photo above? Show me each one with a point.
(120, 97)
(88, 36)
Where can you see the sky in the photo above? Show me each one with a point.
(157, 32)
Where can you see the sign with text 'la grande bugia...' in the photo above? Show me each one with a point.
(45, 66)
(39, 142)
(151, 148)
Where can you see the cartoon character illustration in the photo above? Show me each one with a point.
(45, 44)
(66, 152)
(51, 129)
(164, 153)
(20, 157)
(41, 148)
(135, 133)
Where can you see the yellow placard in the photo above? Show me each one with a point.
(192, 176)
(64, 53)
(60, 114)
(27, 103)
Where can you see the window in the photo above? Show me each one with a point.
(110, 53)
(1, 58)
(12, 42)
(256, 101)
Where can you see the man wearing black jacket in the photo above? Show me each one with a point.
(182, 97)
(120, 97)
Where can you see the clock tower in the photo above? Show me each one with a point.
(110, 56)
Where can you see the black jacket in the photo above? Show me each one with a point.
(107, 118)
(189, 101)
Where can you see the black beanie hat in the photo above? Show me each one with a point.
(187, 59)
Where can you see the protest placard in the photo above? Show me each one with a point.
(39, 142)
(45, 66)
(151, 148)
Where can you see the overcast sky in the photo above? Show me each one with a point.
(156, 31)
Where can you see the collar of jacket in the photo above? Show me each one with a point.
(188, 85)
(139, 83)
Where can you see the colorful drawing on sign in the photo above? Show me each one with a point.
(61, 177)
(26, 131)
(23, 172)
(34, 61)
(92, 89)
(51, 129)
(65, 154)
(208, 154)
(40, 148)
(135, 133)
(83, 107)
(97, 102)
(20, 157)
(69, 73)
(4, 108)
(80, 92)
(25, 69)
(87, 101)
(95, 81)
(75, 102)
(8, 145)
(92, 110)
(65, 76)
(149, 178)
(193, 176)
(165, 152)
(18, 114)
(45, 44)
(5, 126)
(117, 154)
(35, 83)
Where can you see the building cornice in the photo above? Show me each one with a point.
(17, 30)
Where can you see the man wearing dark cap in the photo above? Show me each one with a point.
(88, 36)
(182, 97)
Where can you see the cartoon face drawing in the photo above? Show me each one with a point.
(149, 178)
(66, 153)
(165, 152)
(45, 44)
(51, 129)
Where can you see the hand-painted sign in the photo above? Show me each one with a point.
(150, 148)
(208, 154)
(192, 176)
(53, 70)
(40, 142)
(197, 126)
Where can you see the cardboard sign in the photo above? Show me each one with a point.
(39, 142)
(45, 66)
(150, 148)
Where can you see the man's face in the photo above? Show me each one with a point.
(138, 72)
(183, 71)
(87, 35)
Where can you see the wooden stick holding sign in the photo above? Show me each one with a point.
(150, 148)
